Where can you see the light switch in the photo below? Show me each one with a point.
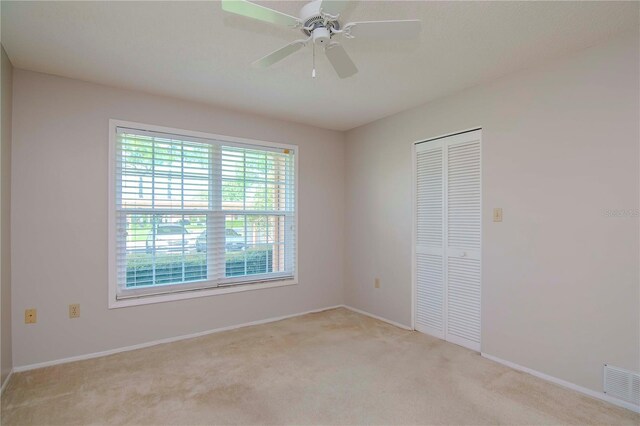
(497, 214)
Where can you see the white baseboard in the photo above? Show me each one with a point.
(27, 367)
(397, 324)
(6, 381)
(589, 392)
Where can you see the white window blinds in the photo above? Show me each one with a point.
(195, 213)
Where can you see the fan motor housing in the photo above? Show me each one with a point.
(313, 20)
(321, 36)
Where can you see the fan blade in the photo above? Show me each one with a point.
(333, 7)
(340, 60)
(385, 30)
(279, 54)
(261, 13)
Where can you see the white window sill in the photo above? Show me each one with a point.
(192, 294)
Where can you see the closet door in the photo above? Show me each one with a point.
(463, 226)
(448, 238)
(430, 292)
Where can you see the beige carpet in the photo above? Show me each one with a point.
(335, 367)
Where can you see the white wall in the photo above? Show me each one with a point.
(560, 146)
(5, 217)
(60, 158)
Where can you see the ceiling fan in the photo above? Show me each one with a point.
(319, 21)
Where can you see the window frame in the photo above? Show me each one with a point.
(174, 292)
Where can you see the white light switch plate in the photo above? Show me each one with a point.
(497, 214)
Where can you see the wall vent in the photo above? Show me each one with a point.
(622, 384)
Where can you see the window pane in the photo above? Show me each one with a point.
(164, 173)
(256, 180)
(254, 244)
(165, 249)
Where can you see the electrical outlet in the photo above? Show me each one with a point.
(376, 283)
(30, 316)
(74, 310)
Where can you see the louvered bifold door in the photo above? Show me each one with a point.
(463, 232)
(430, 291)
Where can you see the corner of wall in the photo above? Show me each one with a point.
(344, 216)
(6, 356)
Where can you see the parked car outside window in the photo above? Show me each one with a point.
(170, 239)
(233, 241)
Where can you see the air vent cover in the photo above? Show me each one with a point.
(622, 384)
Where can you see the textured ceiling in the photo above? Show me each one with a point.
(193, 50)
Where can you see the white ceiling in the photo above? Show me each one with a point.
(193, 50)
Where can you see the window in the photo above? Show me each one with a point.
(196, 214)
